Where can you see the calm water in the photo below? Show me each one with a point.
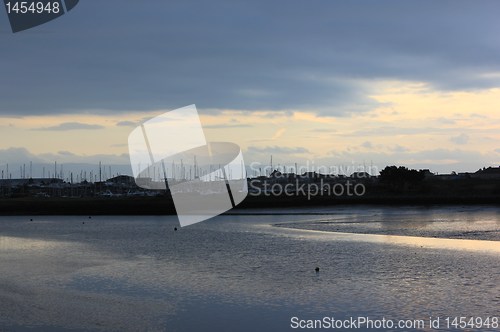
(248, 272)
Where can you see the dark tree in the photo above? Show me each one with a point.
(399, 176)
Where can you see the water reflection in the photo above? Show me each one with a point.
(136, 273)
(11, 244)
(465, 223)
(422, 242)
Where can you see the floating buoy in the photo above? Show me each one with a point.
(175, 228)
(316, 269)
(31, 219)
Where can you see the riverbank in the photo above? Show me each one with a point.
(163, 205)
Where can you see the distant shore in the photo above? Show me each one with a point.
(163, 205)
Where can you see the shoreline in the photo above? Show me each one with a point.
(163, 205)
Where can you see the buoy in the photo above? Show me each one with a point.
(316, 269)
(83, 222)
(31, 219)
(175, 228)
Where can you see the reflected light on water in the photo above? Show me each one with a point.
(10, 243)
(437, 243)
(137, 273)
(414, 241)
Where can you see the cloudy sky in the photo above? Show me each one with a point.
(413, 83)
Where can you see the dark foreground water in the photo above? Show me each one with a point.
(251, 272)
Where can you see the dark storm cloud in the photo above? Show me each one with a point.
(246, 55)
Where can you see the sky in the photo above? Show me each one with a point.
(325, 83)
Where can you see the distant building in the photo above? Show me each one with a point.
(427, 173)
(122, 179)
(314, 175)
(450, 177)
(360, 175)
(490, 173)
(14, 183)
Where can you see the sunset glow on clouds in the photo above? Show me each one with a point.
(356, 85)
(445, 131)
(414, 126)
